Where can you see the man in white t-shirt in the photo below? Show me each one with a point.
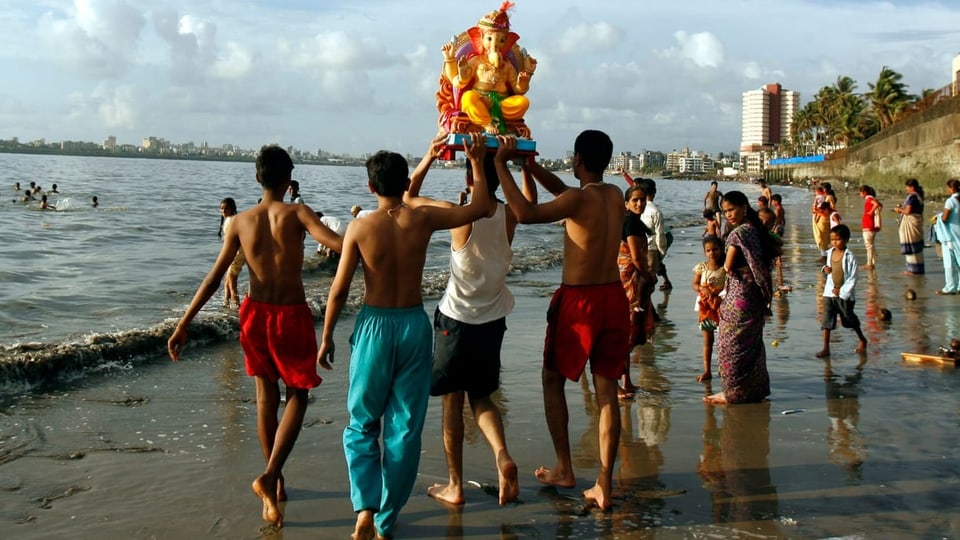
(469, 325)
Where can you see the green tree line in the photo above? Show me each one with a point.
(839, 116)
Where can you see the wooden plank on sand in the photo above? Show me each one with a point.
(929, 359)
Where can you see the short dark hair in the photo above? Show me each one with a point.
(595, 149)
(388, 173)
(273, 166)
(776, 197)
(842, 231)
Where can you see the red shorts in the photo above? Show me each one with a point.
(279, 342)
(588, 322)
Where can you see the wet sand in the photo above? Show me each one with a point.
(849, 446)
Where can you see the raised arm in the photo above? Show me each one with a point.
(320, 232)
(479, 206)
(628, 179)
(545, 178)
(564, 205)
(412, 197)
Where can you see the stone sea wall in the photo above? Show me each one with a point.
(925, 146)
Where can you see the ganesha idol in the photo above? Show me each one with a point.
(485, 76)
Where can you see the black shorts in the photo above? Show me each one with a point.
(835, 307)
(466, 356)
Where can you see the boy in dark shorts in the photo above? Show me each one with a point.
(392, 346)
(841, 272)
(589, 316)
(276, 326)
(469, 324)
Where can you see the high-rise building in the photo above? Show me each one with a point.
(767, 117)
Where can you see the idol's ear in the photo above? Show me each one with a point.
(508, 43)
(476, 38)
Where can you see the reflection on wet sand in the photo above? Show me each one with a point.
(848, 448)
(640, 490)
(734, 468)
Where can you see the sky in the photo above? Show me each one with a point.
(356, 76)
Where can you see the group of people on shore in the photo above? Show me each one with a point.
(398, 359)
(944, 230)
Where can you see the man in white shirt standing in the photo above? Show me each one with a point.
(657, 240)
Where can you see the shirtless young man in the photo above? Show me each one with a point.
(392, 351)
(469, 325)
(589, 317)
(270, 236)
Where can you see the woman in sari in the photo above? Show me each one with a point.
(635, 275)
(750, 251)
(911, 227)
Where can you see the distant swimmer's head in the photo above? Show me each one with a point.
(95, 201)
(388, 173)
(228, 206)
(910, 294)
(273, 166)
(355, 209)
(885, 314)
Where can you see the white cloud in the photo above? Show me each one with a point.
(703, 48)
(338, 50)
(237, 63)
(96, 37)
(116, 107)
(588, 38)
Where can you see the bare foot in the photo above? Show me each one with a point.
(717, 399)
(264, 487)
(509, 484)
(447, 493)
(705, 376)
(862, 348)
(550, 478)
(596, 496)
(364, 529)
(281, 489)
(824, 353)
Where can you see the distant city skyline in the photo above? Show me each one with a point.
(355, 77)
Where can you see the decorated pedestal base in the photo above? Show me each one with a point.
(455, 143)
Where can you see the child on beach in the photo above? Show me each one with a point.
(589, 315)
(712, 227)
(776, 204)
(841, 272)
(276, 326)
(821, 228)
(231, 296)
(709, 280)
(392, 347)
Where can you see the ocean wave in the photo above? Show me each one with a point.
(31, 366)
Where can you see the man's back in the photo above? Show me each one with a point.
(393, 249)
(592, 236)
(271, 237)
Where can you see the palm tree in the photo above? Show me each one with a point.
(888, 97)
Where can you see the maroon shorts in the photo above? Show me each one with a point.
(588, 322)
(279, 342)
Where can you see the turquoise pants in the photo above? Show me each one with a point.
(390, 366)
